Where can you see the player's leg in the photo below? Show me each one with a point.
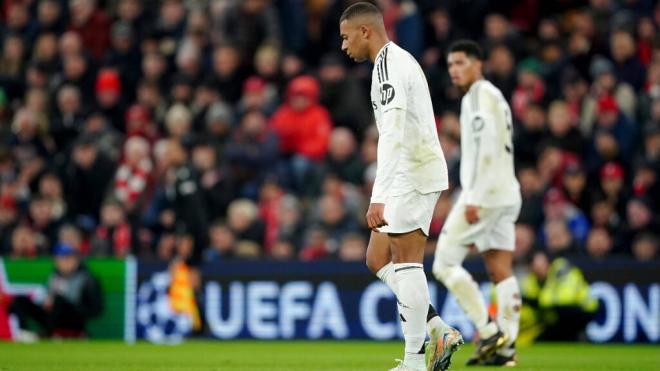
(499, 264)
(413, 294)
(379, 258)
(448, 269)
(413, 302)
(379, 261)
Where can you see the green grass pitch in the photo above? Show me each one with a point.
(298, 355)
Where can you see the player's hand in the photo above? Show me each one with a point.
(376, 216)
(472, 214)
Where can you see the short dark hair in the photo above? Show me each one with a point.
(469, 47)
(359, 9)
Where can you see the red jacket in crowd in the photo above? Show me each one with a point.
(302, 124)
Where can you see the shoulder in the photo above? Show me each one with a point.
(394, 62)
(487, 93)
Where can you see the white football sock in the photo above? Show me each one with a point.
(415, 361)
(386, 274)
(508, 307)
(436, 322)
(461, 284)
(433, 320)
(413, 302)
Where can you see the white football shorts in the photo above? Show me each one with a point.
(409, 212)
(494, 230)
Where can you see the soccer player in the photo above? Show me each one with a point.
(411, 173)
(485, 212)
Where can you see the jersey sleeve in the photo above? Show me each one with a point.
(390, 145)
(392, 83)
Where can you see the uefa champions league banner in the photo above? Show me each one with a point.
(333, 300)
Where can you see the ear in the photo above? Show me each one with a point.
(365, 31)
(479, 63)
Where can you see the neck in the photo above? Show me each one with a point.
(467, 87)
(376, 45)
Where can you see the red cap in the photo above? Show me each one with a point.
(611, 170)
(553, 195)
(137, 113)
(254, 84)
(304, 85)
(108, 81)
(607, 103)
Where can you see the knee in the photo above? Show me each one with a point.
(442, 270)
(499, 272)
(374, 265)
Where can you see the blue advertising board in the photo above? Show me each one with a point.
(337, 300)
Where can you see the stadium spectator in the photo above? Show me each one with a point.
(283, 250)
(612, 185)
(68, 123)
(343, 95)
(133, 175)
(559, 242)
(556, 301)
(93, 25)
(501, 65)
(563, 129)
(50, 17)
(646, 247)
(342, 158)
(24, 244)
(8, 223)
(290, 223)
(605, 84)
(530, 134)
(249, 23)
(222, 243)
(42, 222)
(628, 68)
(525, 243)
(109, 97)
(639, 219)
(599, 244)
(113, 235)
(575, 187)
(227, 72)
(531, 89)
(252, 153)
(243, 220)
(185, 195)
(258, 94)
(353, 248)
(335, 222)
(557, 208)
(614, 135)
(74, 297)
(217, 185)
(86, 178)
(603, 214)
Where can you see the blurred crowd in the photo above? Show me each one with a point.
(225, 129)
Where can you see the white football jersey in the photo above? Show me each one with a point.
(488, 177)
(409, 153)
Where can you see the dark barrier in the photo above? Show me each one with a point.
(271, 300)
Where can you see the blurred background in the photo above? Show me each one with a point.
(225, 141)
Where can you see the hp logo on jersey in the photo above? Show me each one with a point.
(386, 94)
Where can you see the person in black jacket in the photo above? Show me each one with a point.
(74, 296)
(186, 196)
